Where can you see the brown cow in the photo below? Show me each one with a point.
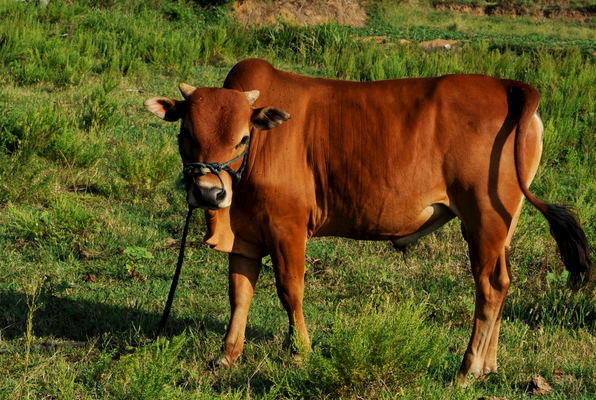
(391, 160)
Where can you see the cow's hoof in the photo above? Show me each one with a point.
(462, 383)
(221, 362)
(463, 379)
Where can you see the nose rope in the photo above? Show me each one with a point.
(192, 169)
(166, 311)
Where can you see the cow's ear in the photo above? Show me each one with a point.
(165, 108)
(268, 117)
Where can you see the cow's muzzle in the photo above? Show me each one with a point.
(207, 197)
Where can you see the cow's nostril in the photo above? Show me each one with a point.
(210, 197)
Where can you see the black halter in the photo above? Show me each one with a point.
(194, 168)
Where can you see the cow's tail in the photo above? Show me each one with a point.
(563, 220)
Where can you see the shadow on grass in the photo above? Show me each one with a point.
(80, 320)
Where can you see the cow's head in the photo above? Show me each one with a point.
(214, 138)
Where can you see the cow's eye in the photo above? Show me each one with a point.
(243, 141)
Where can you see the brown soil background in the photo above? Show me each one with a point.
(351, 12)
(306, 12)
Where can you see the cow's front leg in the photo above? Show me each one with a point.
(288, 263)
(244, 273)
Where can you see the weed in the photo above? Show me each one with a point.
(99, 108)
(33, 304)
(146, 165)
(135, 257)
(23, 178)
(151, 371)
(61, 223)
(394, 346)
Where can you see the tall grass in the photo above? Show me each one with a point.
(151, 371)
(33, 297)
(64, 44)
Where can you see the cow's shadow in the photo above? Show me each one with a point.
(62, 318)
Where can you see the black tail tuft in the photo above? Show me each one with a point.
(572, 242)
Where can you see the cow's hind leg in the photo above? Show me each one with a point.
(490, 361)
(491, 276)
(243, 276)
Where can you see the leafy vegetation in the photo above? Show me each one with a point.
(90, 218)
(384, 345)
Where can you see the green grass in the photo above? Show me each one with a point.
(89, 208)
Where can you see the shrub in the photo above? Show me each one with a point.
(144, 165)
(151, 371)
(395, 345)
(100, 109)
(64, 221)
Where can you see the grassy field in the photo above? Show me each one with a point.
(90, 217)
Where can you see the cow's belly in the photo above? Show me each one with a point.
(395, 226)
(432, 218)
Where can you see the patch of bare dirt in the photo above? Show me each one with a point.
(438, 44)
(305, 12)
(566, 14)
(472, 9)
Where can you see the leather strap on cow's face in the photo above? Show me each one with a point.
(195, 168)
